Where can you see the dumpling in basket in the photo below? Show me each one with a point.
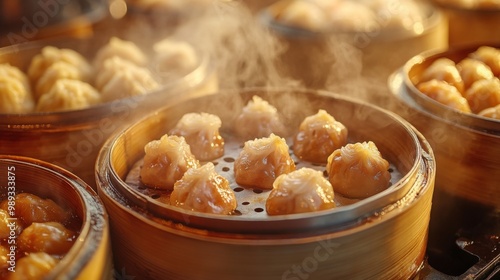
(15, 98)
(443, 69)
(13, 73)
(261, 161)
(50, 55)
(68, 95)
(166, 161)
(57, 71)
(492, 113)
(490, 56)
(358, 170)
(445, 94)
(483, 94)
(174, 58)
(201, 131)
(303, 190)
(472, 70)
(123, 49)
(258, 119)
(319, 135)
(34, 266)
(203, 190)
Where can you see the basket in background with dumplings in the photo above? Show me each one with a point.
(382, 236)
(90, 256)
(72, 139)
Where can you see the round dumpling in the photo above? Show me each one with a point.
(493, 112)
(445, 94)
(358, 170)
(319, 135)
(57, 71)
(303, 14)
(201, 131)
(34, 266)
(261, 161)
(117, 47)
(109, 67)
(483, 94)
(303, 190)
(14, 97)
(472, 70)
(50, 237)
(258, 119)
(352, 16)
(68, 95)
(174, 58)
(50, 55)
(129, 82)
(443, 69)
(13, 73)
(166, 161)
(203, 190)
(489, 56)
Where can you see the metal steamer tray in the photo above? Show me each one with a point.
(411, 165)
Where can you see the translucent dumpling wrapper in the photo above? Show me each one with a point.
(174, 58)
(443, 69)
(258, 119)
(261, 161)
(204, 190)
(300, 191)
(492, 113)
(50, 237)
(50, 55)
(14, 97)
(129, 82)
(445, 94)
(490, 56)
(57, 71)
(124, 49)
(358, 170)
(68, 95)
(472, 70)
(34, 266)
(166, 161)
(201, 131)
(483, 94)
(319, 135)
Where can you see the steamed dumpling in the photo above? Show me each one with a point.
(13, 73)
(258, 119)
(109, 68)
(303, 190)
(123, 49)
(358, 170)
(68, 95)
(443, 69)
(174, 57)
(493, 112)
(50, 55)
(57, 71)
(34, 266)
(483, 94)
(14, 97)
(201, 131)
(446, 94)
(166, 161)
(319, 135)
(50, 237)
(472, 70)
(303, 14)
(261, 161)
(489, 56)
(203, 190)
(352, 16)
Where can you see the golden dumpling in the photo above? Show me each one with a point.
(319, 135)
(472, 70)
(445, 94)
(14, 73)
(258, 119)
(124, 49)
(201, 131)
(58, 70)
(166, 161)
(14, 97)
(490, 56)
(492, 113)
(483, 94)
(443, 69)
(303, 190)
(261, 161)
(5, 222)
(50, 55)
(358, 170)
(203, 190)
(68, 95)
(34, 266)
(50, 237)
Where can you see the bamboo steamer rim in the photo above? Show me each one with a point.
(353, 212)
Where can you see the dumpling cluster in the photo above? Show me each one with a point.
(319, 135)
(258, 119)
(300, 191)
(15, 91)
(471, 86)
(261, 161)
(358, 170)
(201, 131)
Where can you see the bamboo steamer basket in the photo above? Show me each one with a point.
(90, 256)
(72, 139)
(467, 146)
(383, 236)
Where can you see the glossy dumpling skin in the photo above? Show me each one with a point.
(358, 170)
(483, 94)
(490, 56)
(166, 161)
(445, 94)
(472, 70)
(492, 113)
(300, 191)
(5, 221)
(49, 237)
(444, 69)
(258, 119)
(201, 131)
(261, 161)
(319, 135)
(203, 190)
(35, 266)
